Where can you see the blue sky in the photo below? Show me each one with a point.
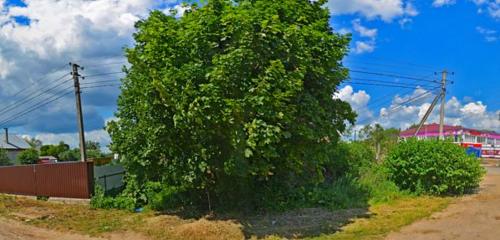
(440, 38)
(405, 38)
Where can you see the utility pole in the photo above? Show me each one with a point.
(442, 96)
(444, 74)
(79, 115)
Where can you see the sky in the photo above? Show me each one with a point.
(402, 42)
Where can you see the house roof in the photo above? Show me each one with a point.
(431, 130)
(15, 142)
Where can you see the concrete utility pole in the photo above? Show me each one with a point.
(79, 115)
(444, 74)
(442, 95)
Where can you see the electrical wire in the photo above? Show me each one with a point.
(390, 82)
(103, 81)
(105, 64)
(27, 100)
(98, 86)
(383, 85)
(393, 75)
(102, 74)
(32, 86)
(37, 106)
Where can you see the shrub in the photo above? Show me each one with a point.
(433, 167)
(4, 159)
(29, 156)
(100, 200)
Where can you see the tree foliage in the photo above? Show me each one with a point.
(433, 167)
(54, 150)
(29, 156)
(4, 158)
(382, 140)
(231, 97)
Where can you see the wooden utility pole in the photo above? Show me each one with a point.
(79, 115)
(443, 102)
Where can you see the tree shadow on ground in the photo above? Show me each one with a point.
(301, 223)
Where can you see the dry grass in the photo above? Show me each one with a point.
(116, 224)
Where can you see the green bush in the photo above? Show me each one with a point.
(100, 200)
(4, 159)
(29, 156)
(433, 167)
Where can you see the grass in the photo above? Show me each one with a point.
(389, 217)
(383, 219)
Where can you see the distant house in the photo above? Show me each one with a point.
(486, 143)
(13, 144)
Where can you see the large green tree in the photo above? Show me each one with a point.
(232, 96)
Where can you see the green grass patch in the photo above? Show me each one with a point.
(389, 217)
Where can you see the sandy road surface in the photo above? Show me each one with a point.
(473, 217)
(12, 230)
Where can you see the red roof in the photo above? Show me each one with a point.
(433, 130)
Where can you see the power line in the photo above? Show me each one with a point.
(32, 86)
(102, 74)
(98, 86)
(105, 64)
(393, 75)
(411, 100)
(383, 85)
(396, 63)
(37, 106)
(27, 100)
(390, 82)
(103, 81)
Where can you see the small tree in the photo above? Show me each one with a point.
(4, 159)
(381, 139)
(29, 156)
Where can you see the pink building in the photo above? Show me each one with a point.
(487, 142)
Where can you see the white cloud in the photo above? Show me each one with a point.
(33, 55)
(386, 10)
(364, 31)
(471, 115)
(358, 101)
(492, 7)
(440, 3)
(367, 44)
(361, 47)
(179, 10)
(100, 136)
(488, 34)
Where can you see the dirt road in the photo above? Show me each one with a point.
(473, 217)
(12, 230)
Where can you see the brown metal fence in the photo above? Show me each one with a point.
(67, 180)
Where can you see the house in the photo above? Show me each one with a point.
(487, 143)
(13, 144)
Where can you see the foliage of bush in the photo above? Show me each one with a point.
(4, 159)
(433, 167)
(231, 100)
(29, 156)
(121, 201)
